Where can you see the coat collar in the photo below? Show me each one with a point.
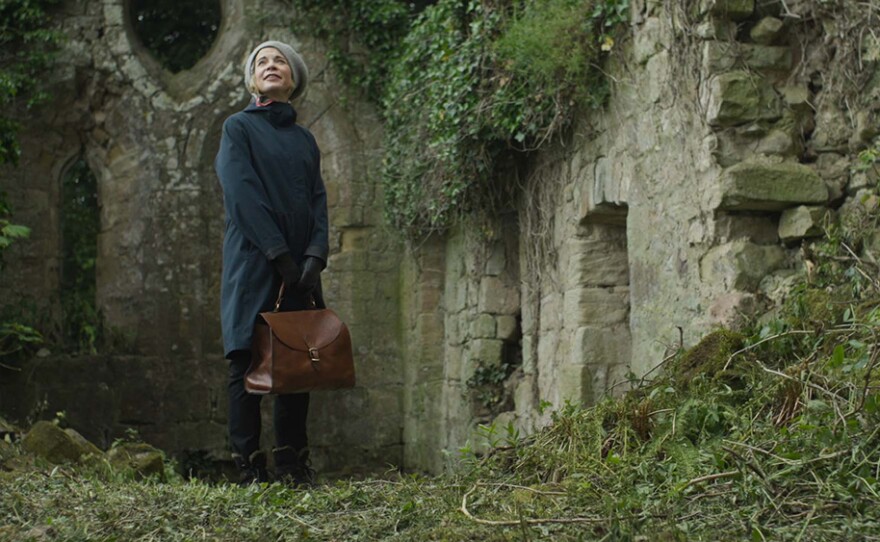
(279, 114)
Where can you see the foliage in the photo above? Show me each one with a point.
(80, 224)
(16, 338)
(27, 47)
(363, 37)
(476, 82)
(465, 87)
(487, 382)
(177, 32)
(869, 158)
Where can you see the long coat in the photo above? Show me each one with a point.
(275, 201)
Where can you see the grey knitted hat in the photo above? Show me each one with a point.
(297, 67)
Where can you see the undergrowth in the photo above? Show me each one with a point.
(769, 434)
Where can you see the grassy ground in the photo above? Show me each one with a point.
(772, 434)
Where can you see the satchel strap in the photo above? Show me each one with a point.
(312, 303)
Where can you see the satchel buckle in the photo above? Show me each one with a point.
(313, 355)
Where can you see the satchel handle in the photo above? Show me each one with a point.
(312, 303)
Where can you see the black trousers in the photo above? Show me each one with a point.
(289, 415)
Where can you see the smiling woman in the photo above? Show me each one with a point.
(276, 233)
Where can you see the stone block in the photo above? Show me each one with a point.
(603, 198)
(485, 352)
(482, 327)
(766, 31)
(551, 312)
(862, 180)
(87, 447)
(740, 97)
(595, 345)
(575, 384)
(777, 143)
(525, 399)
(802, 221)
(739, 265)
(764, 186)
(479, 352)
(796, 97)
(731, 309)
(647, 40)
(722, 56)
(496, 297)
(602, 306)
(597, 262)
(506, 327)
(735, 10)
(497, 260)
(142, 459)
(453, 356)
(529, 353)
(716, 28)
(47, 440)
(762, 230)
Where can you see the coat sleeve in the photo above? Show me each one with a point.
(245, 197)
(319, 245)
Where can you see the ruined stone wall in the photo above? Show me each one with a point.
(150, 138)
(677, 208)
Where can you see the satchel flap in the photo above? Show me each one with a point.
(301, 330)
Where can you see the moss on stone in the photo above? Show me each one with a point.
(139, 458)
(47, 440)
(709, 356)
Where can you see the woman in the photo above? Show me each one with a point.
(276, 231)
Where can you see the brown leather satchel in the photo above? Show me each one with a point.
(299, 351)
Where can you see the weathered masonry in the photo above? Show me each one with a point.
(677, 208)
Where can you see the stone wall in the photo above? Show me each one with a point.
(150, 138)
(677, 208)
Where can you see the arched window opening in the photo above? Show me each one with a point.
(80, 223)
(178, 33)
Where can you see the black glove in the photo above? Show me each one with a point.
(311, 272)
(289, 271)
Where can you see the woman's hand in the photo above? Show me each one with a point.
(311, 272)
(289, 271)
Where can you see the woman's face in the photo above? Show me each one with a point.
(272, 74)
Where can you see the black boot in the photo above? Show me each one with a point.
(253, 469)
(292, 467)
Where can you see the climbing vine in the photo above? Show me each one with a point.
(363, 37)
(465, 87)
(478, 82)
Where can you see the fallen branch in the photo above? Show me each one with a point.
(536, 521)
(709, 478)
(764, 340)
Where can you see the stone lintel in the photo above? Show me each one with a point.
(759, 186)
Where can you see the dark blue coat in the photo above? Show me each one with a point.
(269, 168)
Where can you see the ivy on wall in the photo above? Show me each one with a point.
(468, 85)
(27, 46)
(363, 37)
